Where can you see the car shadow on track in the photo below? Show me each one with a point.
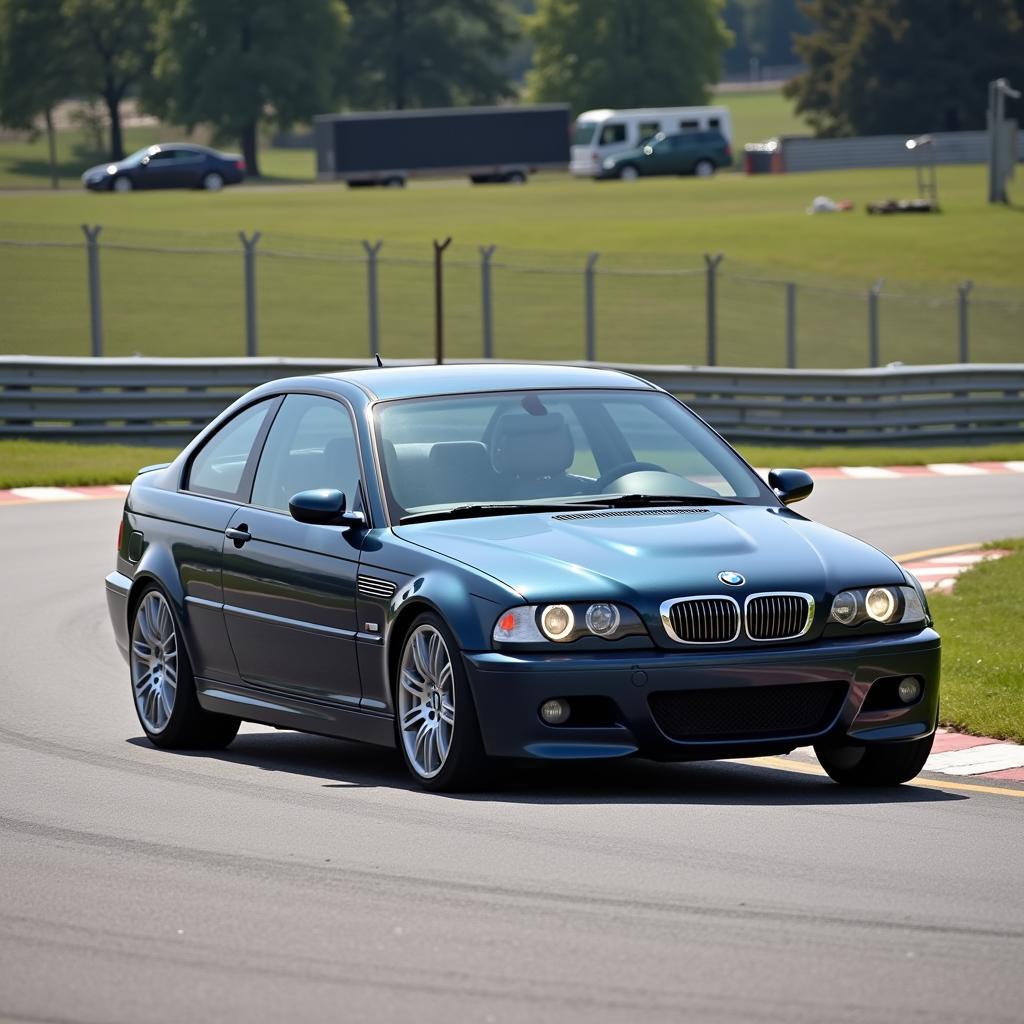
(341, 765)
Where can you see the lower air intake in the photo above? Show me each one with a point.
(749, 712)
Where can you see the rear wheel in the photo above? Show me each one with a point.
(122, 184)
(213, 182)
(883, 764)
(438, 731)
(704, 168)
(163, 685)
(627, 172)
(515, 178)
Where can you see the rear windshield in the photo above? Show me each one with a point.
(584, 133)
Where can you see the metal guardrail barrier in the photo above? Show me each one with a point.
(169, 400)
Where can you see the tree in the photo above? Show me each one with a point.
(426, 53)
(238, 63)
(620, 53)
(905, 66)
(35, 67)
(763, 29)
(113, 45)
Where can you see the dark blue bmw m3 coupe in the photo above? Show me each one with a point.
(507, 561)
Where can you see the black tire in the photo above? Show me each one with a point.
(704, 168)
(629, 172)
(883, 764)
(466, 767)
(189, 727)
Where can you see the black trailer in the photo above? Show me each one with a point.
(485, 143)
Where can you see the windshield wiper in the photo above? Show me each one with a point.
(496, 509)
(640, 500)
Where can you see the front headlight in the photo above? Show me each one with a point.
(886, 605)
(608, 164)
(563, 623)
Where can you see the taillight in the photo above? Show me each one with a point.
(120, 533)
(728, 149)
(240, 164)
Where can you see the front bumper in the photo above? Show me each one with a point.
(509, 688)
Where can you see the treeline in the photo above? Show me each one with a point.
(241, 66)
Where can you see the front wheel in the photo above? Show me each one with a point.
(883, 764)
(122, 184)
(438, 731)
(628, 173)
(163, 685)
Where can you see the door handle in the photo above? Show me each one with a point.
(239, 535)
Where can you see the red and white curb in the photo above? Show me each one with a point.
(25, 495)
(940, 572)
(897, 472)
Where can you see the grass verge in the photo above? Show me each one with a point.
(25, 463)
(982, 652)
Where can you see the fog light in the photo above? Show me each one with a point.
(909, 690)
(555, 712)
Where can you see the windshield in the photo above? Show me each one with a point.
(584, 133)
(552, 446)
(137, 156)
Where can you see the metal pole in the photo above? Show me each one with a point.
(371, 294)
(711, 263)
(486, 252)
(251, 338)
(92, 250)
(589, 318)
(439, 248)
(963, 290)
(873, 350)
(791, 325)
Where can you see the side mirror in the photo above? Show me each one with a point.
(790, 484)
(324, 507)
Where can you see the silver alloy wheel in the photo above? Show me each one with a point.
(123, 184)
(213, 182)
(154, 661)
(426, 701)
(704, 169)
(629, 173)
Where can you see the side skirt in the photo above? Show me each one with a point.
(288, 712)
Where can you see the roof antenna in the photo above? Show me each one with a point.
(376, 355)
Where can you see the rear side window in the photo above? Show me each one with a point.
(648, 130)
(219, 469)
(611, 134)
(311, 445)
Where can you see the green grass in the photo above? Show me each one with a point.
(982, 652)
(25, 463)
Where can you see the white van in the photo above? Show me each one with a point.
(602, 133)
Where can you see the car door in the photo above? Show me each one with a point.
(290, 587)
(157, 170)
(189, 167)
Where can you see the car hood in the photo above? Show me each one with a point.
(652, 554)
(100, 169)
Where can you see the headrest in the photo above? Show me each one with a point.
(468, 456)
(531, 446)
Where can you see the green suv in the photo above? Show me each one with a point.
(700, 153)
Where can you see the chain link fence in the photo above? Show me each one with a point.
(123, 291)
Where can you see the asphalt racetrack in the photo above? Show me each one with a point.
(297, 878)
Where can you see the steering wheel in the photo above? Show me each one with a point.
(622, 469)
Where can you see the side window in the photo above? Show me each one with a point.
(689, 126)
(647, 131)
(165, 156)
(612, 134)
(219, 467)
(186, 156)
(714, 122)
(312, 444)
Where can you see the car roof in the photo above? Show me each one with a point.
(421, 381)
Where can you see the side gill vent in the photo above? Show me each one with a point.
(687, 511)
(371, 586)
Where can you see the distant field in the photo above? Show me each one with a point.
(180, 303)
(759, 115)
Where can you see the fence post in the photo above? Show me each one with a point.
(711, 263)
(873, 348)
(439, 248)
(251, 338)
(589, 318)
(791, 325)
(371, 293)
(963, 290)
(92, 250)
(486, 252)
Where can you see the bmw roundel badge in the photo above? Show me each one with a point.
(732, 579)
